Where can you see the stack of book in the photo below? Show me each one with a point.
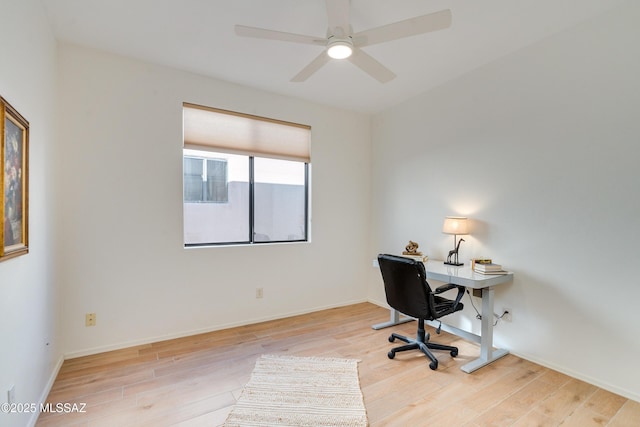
(488, 268)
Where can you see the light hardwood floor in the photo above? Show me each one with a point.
(194, 381)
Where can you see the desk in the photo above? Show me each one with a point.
(464, 276)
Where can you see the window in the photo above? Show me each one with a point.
(245, 178)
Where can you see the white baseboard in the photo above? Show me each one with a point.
(46, 391)
(127, 344)
(382, 304)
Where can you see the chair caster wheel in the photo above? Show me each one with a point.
(454, 353)
(433, 365)
(392, 338)
(391, 354)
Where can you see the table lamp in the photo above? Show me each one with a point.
(456, 225)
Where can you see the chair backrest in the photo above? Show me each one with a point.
(405, 284)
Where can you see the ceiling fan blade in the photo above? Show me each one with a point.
(371, 66)
(409, 27)
(338, 14)
(261, 33)
(313, 66)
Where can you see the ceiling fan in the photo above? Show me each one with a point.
(342, 43)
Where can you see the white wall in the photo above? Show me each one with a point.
(29, 341)
(120, 228)
(540, 149)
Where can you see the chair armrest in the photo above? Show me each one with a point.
(449, 286)
(445, 288)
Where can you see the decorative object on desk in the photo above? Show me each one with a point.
(411, 248)
(411, 251)
(454, 253)
(14, 182)
(456, 225)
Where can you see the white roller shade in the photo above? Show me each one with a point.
(213, 129)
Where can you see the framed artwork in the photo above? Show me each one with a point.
(14, 183)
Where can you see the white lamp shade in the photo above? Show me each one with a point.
(455, 225)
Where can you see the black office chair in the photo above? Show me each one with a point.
(405, 283)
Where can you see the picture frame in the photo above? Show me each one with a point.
(14, 182)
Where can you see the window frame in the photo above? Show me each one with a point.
(214, 130)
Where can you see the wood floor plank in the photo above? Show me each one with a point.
(194, 381)
(561, 404)
(605, 403)
(628, 415)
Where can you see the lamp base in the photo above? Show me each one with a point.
(457, 264)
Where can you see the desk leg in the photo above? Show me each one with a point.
(487, 353)
(393, 320)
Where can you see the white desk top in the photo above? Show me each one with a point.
(463, 275)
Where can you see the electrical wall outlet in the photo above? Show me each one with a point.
(11, 395)
(259, 293)
(507, 314)
(90, 319)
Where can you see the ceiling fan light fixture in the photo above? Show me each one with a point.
(339, 48)
(341, 42)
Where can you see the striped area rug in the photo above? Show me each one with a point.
(300, 391)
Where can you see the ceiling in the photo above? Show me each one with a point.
(198, 36)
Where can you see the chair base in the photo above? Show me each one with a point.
(422, 343)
